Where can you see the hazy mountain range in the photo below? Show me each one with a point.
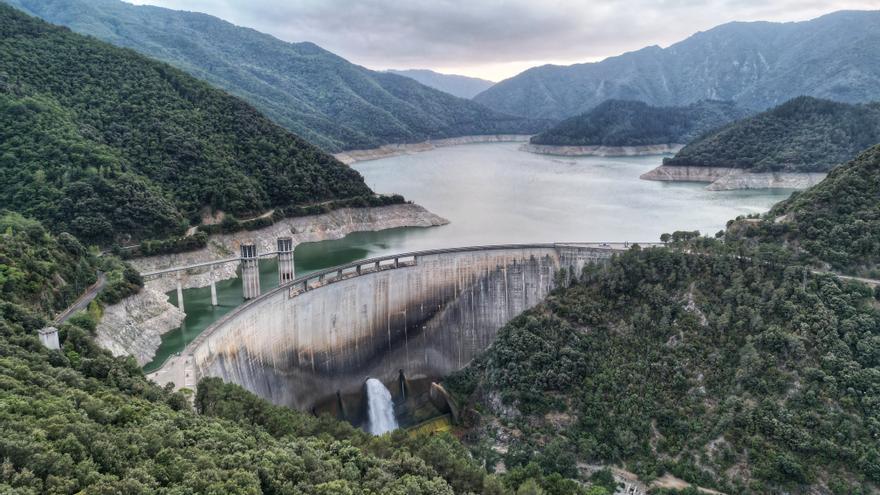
(755, 64)
(320, 96)
(461, 86)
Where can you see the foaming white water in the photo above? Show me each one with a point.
(380, 409)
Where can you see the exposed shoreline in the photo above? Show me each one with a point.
(134, 326)
(333, 225)
(354, 156)
(654, 149)
(729, 179)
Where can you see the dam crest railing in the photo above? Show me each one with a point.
(376, 264)
(320, 278)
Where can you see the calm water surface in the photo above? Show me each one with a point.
(494, 194)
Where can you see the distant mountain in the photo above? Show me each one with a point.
(634, 123)
(322, 97)
(802, 135)
(461, 86)
(105, 143)
(756, 65)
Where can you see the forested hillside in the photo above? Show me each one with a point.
(836, 222)
(734, 374)
(729, 362)
(107, 144)
(81, 421)
(755, 64)
(634, 123)
(324, 98)
(802, 135)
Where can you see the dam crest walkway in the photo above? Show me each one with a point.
(181, 370)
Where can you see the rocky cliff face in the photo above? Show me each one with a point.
(333, 225)
(135, 325)
(726, 179)
(769, 180)
(656, 149)
(354, 156)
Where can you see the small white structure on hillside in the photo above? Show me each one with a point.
(49, 338)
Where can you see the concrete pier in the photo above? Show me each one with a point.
(180, 293)
(250, 271)
(49, 338)
(213, 288)
(285, 260)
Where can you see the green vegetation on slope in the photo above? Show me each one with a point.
(802, 135)
(108, 145)
(322, 97)
(78, 420)
(729, 373)
(634, 123)
(44, 272)
(835, 222)
(754, 64)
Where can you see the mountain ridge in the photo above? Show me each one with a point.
(804, 134)
(105, 143)
(635, 123)
(755, 64)
(318, 95)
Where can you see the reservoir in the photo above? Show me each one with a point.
(494, 193)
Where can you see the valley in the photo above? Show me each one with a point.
(233, 261)
(597, 194)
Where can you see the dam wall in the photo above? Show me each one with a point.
(427, 314)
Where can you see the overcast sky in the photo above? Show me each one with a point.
(495, 39)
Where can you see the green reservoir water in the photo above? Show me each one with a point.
(495, 194)
(200, 313)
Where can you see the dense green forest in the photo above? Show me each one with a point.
(320, 96)
(108, 145)
(802, 135)
(757, 65)
(79, 420)
(836, 222)
(727, 362)
(731, 373)
(634, 123)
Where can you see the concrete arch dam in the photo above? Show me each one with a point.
(427, 313)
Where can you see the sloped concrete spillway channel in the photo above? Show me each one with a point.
(427, 313)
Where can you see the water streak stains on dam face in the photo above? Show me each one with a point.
(428, 317)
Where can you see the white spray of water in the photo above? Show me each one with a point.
(380, 409)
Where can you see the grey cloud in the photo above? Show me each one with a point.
(469, 34)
